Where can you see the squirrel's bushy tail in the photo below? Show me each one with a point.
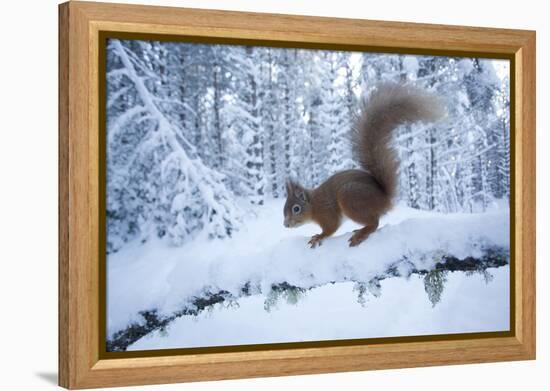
(387, 107)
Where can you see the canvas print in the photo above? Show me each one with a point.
(264, 195)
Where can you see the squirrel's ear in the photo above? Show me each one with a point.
(301, 194)
(288, 186)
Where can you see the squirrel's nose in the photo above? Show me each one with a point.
(286, 224)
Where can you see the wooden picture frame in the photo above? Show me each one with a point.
(82, 363)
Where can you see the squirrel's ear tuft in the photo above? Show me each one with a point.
(294, 189)
(289, 186)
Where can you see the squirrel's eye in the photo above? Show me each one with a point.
(296, 209)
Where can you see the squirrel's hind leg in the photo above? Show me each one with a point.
(359, 235)
(363, 204)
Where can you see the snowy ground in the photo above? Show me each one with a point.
(157, 276)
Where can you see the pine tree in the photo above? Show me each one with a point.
(160, 186)
(192, 129)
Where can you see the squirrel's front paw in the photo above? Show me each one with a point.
(316, 240)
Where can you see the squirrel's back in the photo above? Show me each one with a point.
(387, 107)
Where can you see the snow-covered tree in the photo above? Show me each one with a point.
(160, 184)
(193, 129)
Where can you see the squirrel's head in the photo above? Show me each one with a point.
(297, 209)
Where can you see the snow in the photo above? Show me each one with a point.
(468, 304)
(156, 275)
(206, 196)
(183, 144)
(465, 66)
(411, 65)
(189, 152)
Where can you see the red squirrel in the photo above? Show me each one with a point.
(365, 194)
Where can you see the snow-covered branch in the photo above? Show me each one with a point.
(422, 245)
(152, 320)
